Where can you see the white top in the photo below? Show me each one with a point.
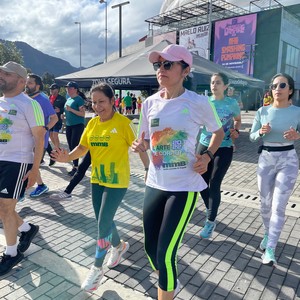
(17, 116)
(172, 126)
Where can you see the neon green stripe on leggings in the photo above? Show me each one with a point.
(184, 220)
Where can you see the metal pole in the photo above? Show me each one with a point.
(106, 32)
(103, 1)
(80, 44)
(209, 29)
(250, 61)
(120, 31)
(79, 27)
(120, 24)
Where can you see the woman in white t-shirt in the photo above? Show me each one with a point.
(169, 124)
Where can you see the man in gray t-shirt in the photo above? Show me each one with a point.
(21, 131)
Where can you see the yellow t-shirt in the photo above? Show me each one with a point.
(108, 143)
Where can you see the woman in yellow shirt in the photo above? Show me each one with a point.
(108, 137)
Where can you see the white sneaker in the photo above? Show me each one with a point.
(61, 196)
(264, 243)
(116, 254)
(93, 279)
(178, 288)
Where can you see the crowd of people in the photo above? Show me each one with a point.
(200, 147)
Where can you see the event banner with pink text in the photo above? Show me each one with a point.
(234, 44)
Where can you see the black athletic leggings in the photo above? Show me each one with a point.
(165, 216)
(73, 134)
(213, 177)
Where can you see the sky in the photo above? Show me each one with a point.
(48, 25)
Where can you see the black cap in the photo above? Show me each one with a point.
(72, 84)
(54, 86)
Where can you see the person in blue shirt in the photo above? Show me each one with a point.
(74, 114)
(277, 125)
(34, 89)
(229, 113)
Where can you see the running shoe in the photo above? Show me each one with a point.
(61, 196)
(21, 198)
(8, 262)
(52, 162)
(208, 229)
(27, 237)
(40, 190)
(116, 254)
(72, 172)
(178, 288)
(93, 279)
(264, 242)
(268, 258)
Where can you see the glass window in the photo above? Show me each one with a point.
(290, 59)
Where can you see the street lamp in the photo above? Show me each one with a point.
(120, 24)
(79, 27)
(103, 1)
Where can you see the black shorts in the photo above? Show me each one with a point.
(11, 176)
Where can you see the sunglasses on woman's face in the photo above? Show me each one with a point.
(166, 64)
(281, 85)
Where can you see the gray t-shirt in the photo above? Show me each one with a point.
(17, 116)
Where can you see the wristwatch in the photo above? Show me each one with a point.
(47, 129)
(209, 153)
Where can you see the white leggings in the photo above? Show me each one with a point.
(276, 174)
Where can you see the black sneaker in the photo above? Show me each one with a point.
(26, 238)
(8, 262)
(52, 162)
(72, 172)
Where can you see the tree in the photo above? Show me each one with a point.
(144, 93)
(48, 78)
(9, 52)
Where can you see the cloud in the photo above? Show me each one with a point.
(48, 25)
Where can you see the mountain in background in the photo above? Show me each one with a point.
(40, 63)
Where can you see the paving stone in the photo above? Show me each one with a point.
(187, 292)
(224, 287)
(259, 283)
(252, 294)
(57, 291)
(242, 285)
(233, 275)
(287, 293)
(206, 290)
(270, 293)
(40, 290)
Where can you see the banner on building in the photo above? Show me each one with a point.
(195, 39)
(234, 43)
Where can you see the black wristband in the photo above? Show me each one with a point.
(209, 153)
(146, 169)
(237, 130)
(47, 129)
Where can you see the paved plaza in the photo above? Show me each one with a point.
(228, 266)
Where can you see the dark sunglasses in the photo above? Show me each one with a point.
(166, 64)
(281, 85)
